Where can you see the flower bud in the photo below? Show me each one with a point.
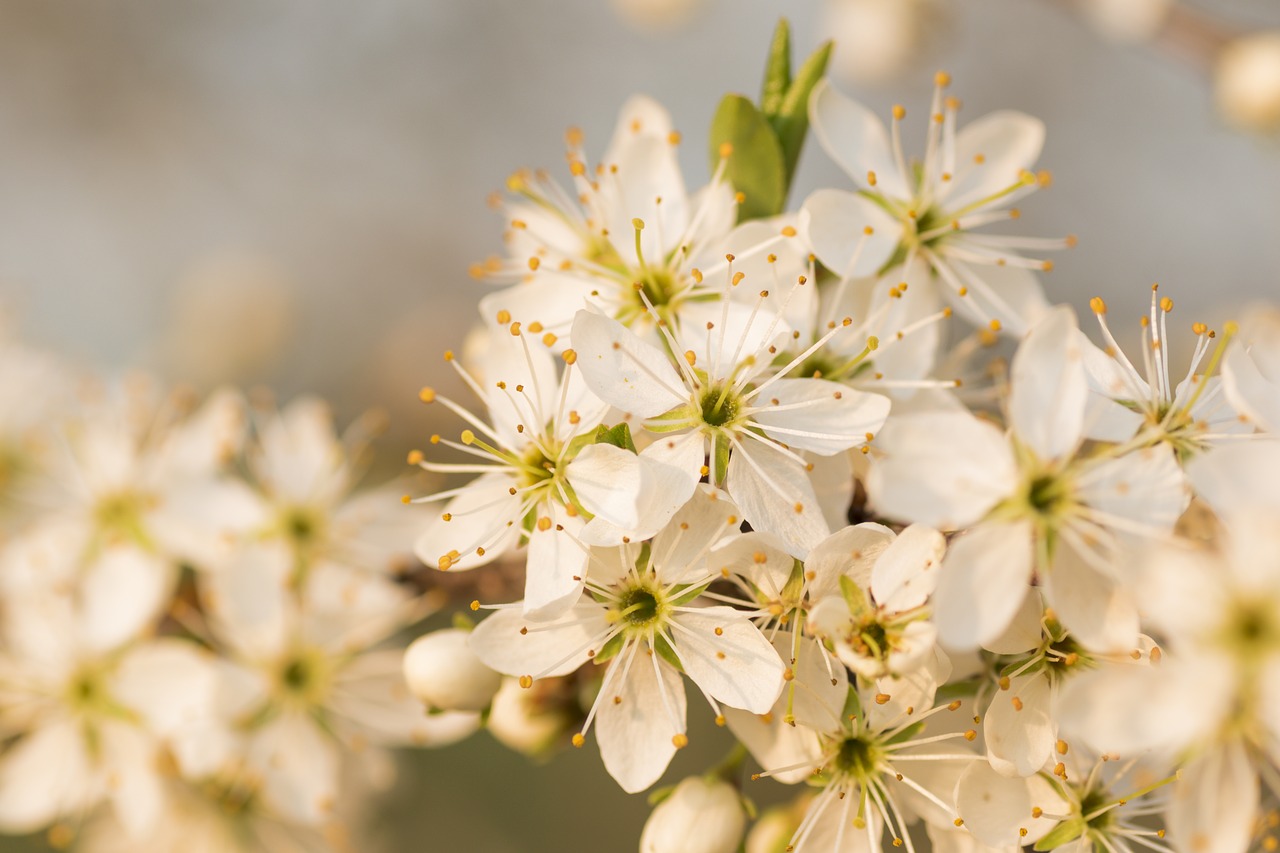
(700, 816)
(520, 720)
(442, 672)
(1248, 82)
(773, 830)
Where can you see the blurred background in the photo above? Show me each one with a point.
(289, 194)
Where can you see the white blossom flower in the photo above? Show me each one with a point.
(966, 180)
(879, 626)
(877, 769)
(85, 725)
(712, 403)
(644, 617)
(1187, 416)
(1083, 805)
(1035, 658)
(629, 221)
(540, 477)
(307, 474)
(1213, 696)
(302, 679)
(1046, 510)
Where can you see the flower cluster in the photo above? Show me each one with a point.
(193, 604)
(906, 531)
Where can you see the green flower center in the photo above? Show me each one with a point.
(719, 406)
(857, 757)
(641, 607)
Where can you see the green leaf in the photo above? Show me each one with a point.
(756, 167)
(618, 436)
(791, 120)
(668, 654)
(777, 70)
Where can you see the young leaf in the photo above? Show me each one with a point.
(791, 120)
(756, 167)
(618, 436)
(777, 70)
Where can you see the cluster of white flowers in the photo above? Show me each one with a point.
(784, 460)
(193, 598)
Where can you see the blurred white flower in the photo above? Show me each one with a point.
(658, 15)
(877, 40)
(1127, 20)
(1247, 82)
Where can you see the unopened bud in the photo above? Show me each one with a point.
(700, 816)
(442, 672)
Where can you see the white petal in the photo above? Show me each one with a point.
(1020, 739)
(757, 558)
(1239, 476)
(993, 807)
(135, 784)
(1008, 142)
(906, 573)
(46, 775)
(849, 552)
(983, 581)
(299, 766)
(1251, 371)
(728, 657)
(923, 479)
(546, 648)
(1215, 804)
(669, 473)
(607, 480)
(836, 222)
(775, 496)
(775, 744)
(854, 138)
(1130, 709)
(624, 371)
(1023, 632)
(1049, 387)
(833, 418)
(1146, 487)
(121, 594)
(550, 298)
(1011, 294)
(556, 563)
(485, 516)
(169, 682)
(636, 734)
(832, 478)
(1098, 611)
(679, 550)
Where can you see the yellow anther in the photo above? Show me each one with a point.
(899, 112)
(570, 356)
(788, 231)
(475, 604)
(696, 275)
(415, 457)
(995, 325)
(942, 79)
(873, 343)
(526, 681)
(1061, 746)
(680, 741)
(1097, 305)
(882, 698)
(726, 149)
(871, 178)
(970, 734)
(504, 317)
(468, 436)
(637, 224)
(405, 499)
(674, 137)
(427, 395)
(515, 329)
(578, 740)
(534, 263)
